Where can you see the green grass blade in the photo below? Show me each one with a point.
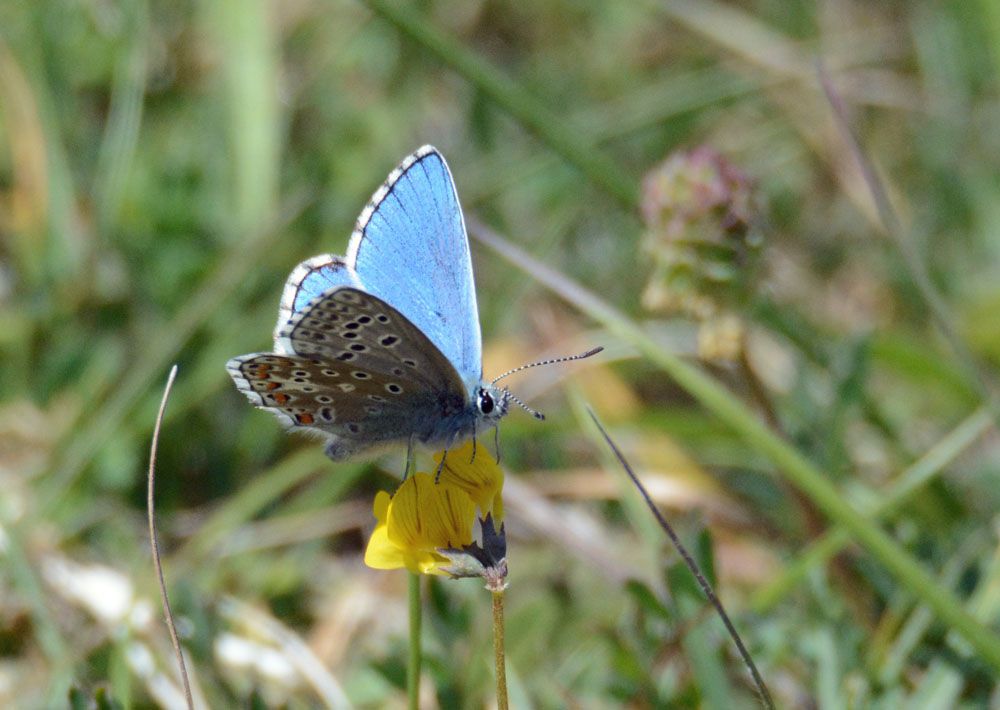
(513, 99)
(912, 480)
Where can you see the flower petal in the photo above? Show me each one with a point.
(381, 554)
(480, 477)
(381, 507)
(427, 515)
(422, 517)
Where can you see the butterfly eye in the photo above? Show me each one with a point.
(485, 402)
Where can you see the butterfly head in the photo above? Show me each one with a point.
(492, 402)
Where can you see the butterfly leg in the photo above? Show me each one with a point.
(409, 458)
(444, 455)
(496, 441)
(473, 459)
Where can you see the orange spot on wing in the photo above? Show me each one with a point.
(280, 397)
(305, 419)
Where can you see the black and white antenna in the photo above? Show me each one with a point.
(510, 395)
(553, 361)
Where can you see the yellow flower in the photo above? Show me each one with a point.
(428, 525)
(420, 519)
(481, 478)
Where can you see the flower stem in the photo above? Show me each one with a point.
(413, 666)
(498, 651)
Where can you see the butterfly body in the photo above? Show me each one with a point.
(383, 345)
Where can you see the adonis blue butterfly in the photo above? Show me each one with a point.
(383, 345)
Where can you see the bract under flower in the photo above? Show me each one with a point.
(480, 476)
(421, 518)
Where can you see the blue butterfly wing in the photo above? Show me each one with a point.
(310, 280)
(410, 249)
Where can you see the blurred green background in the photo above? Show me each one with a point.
(163, 166)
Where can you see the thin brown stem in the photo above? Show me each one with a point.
(706, 588)
(154, 546)
(499, 657)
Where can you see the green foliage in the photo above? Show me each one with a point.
(163, 166)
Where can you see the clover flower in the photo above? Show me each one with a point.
(699, 210)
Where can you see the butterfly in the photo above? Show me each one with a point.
(383, 345)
